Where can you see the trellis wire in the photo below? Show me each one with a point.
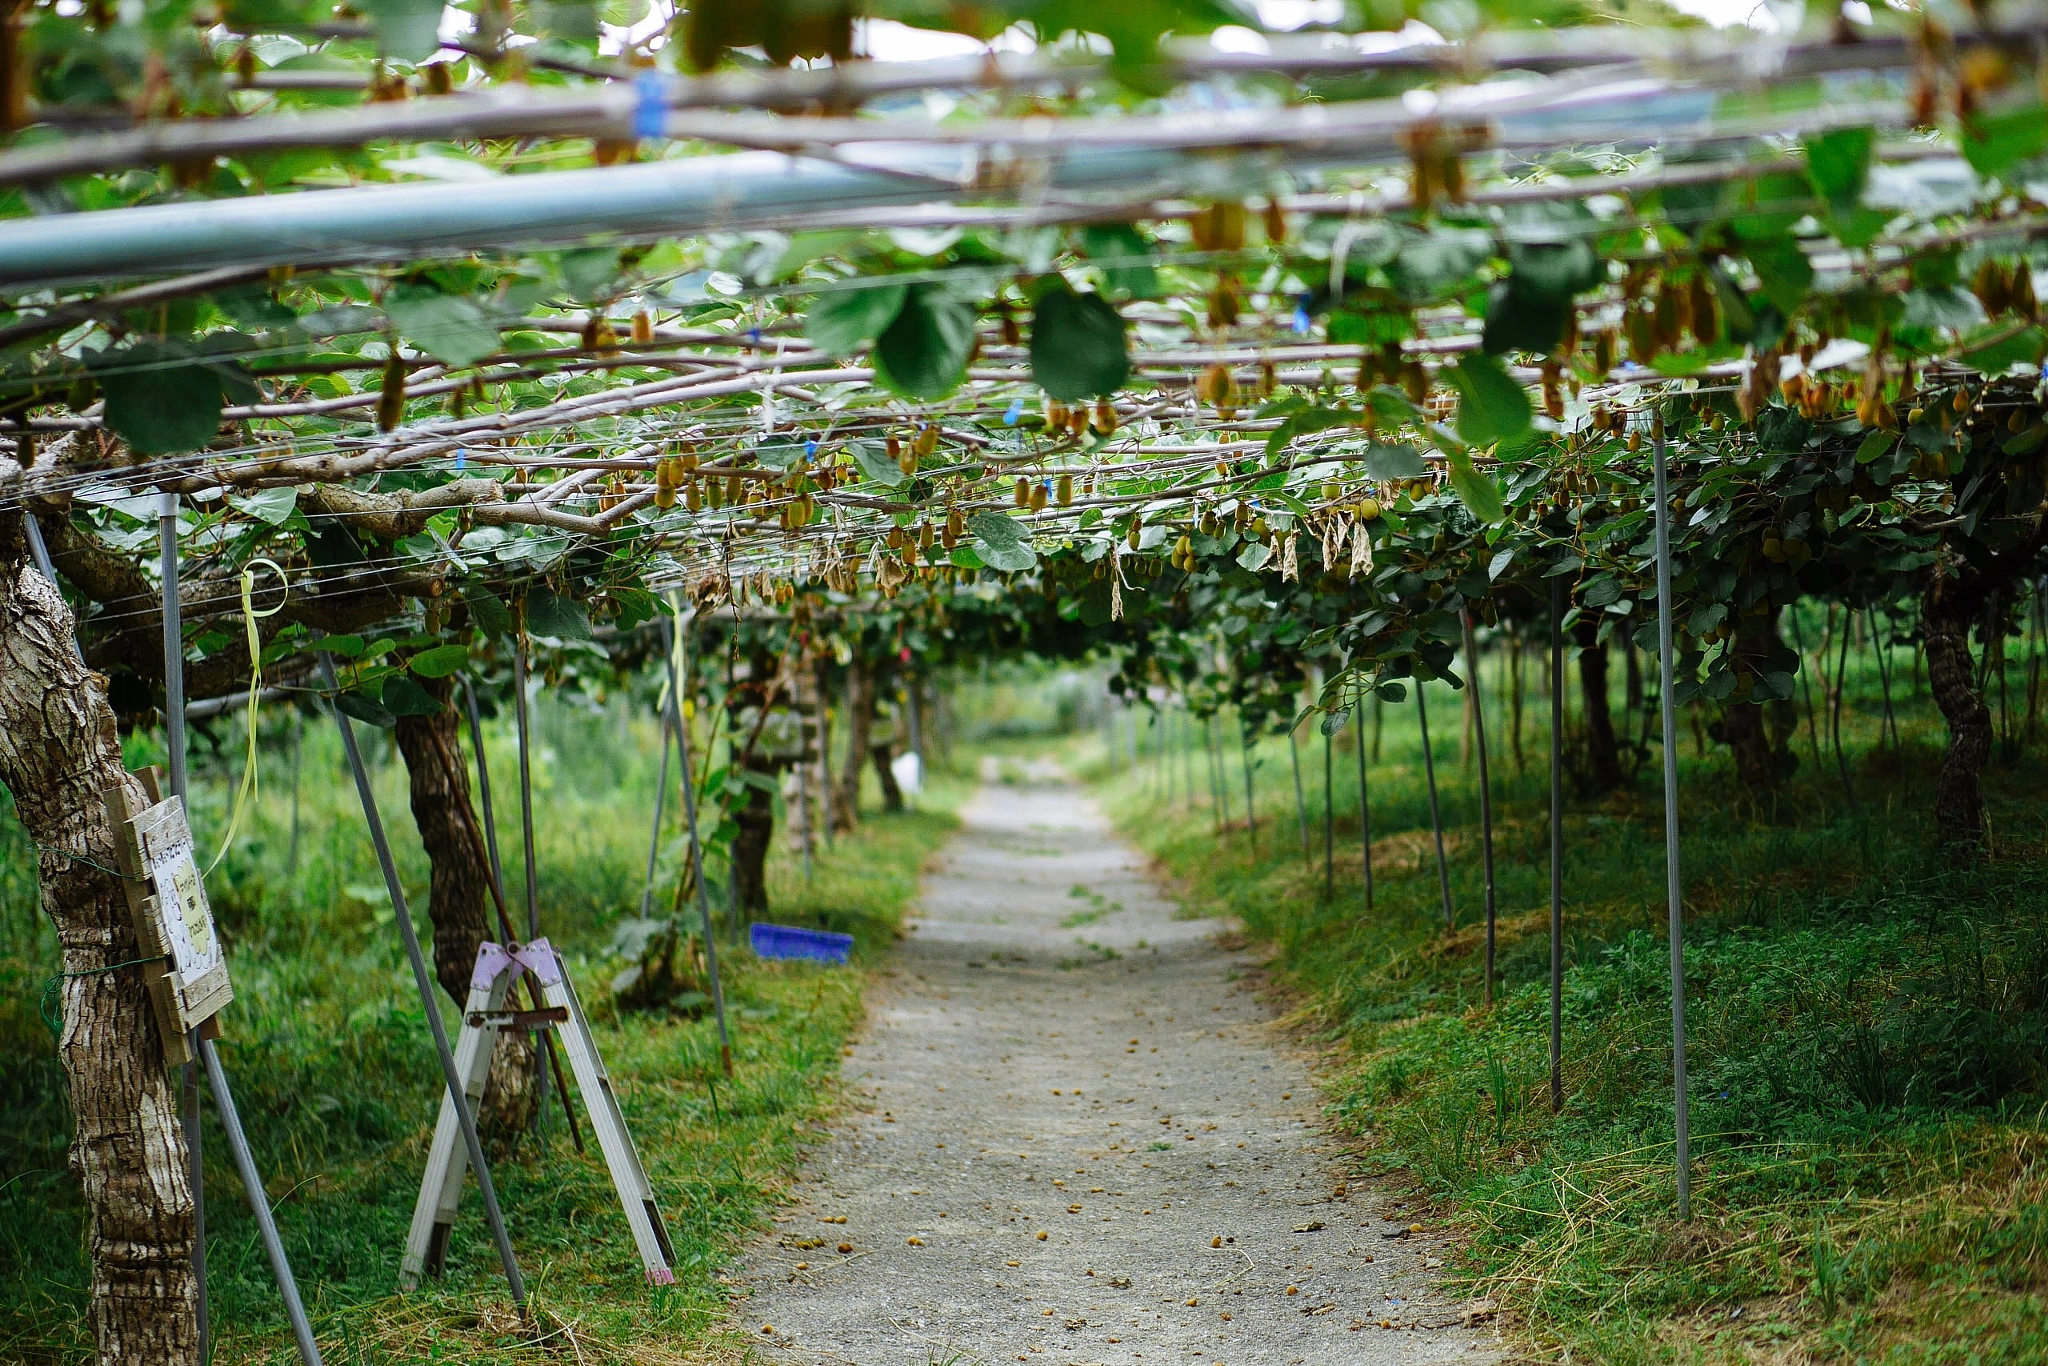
(1673, 885)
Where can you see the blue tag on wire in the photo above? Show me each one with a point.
(1013, 412)
(810, 447)
(461, 456)
(650, 104)
(1301, 323)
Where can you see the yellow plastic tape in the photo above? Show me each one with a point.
(246, 792)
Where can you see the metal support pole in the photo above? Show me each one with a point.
(1329, 826)
(1556, 844)
(1300, 801)
(1436, 819)
(675, 712)
(1485, 790)
(1673, 887)
(259, 1203)
(483, 785)
(174, 757)
(423, 980)
(654, 837)
(1364, 800)
(1244, 756)
(1219, 775)
(525, 781)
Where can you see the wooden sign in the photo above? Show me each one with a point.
(167, 897)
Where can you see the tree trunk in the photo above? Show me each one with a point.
(756, 820)
(1754, 732)
(860, 724)
(58, 752)
(1602, 771)
(884, 752)
(1946, 613)
(458, 895)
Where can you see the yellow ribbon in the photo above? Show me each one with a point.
(246, 792)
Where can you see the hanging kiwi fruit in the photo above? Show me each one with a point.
(1064, 490)
(391, 396)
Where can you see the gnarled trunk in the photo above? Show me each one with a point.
(459, 891)
(1757, 733)
(756, 820)
(1946, 613)
(1602, 771)
(58, 752)
(860, 725)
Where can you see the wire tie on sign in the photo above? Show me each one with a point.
(81, 858)
(650, 104)
(46, 1006)
(245, 793)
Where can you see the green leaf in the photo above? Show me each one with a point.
(161, 397)
(876, 465)
(1838, 164)
(273, 507)
(1078, 347)
(489, 612)
(407, 29)
(1992, 144)
(453, 330)
(845, 320)
(1254, 555)
(1001, 541)
(1434, 264)
(439, 662)
(558, 618)
(1126, 257)
(1475, 490)
(1350, 327)
(1995, 349)
(1873, 445)
(1519, 321)
(1386, 462)
(403, 697)
(1783, 271)
(1304, 423)
(923, 353)
(365, 709)
(1491, 405)
(1949, 306)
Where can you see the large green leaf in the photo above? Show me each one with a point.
(875, 464)
(923, 353)
(1520, 321)
(407, 29)
(1491, 404)
(845, 320)
(1000, 542)
(1476, 491)
(1838, 164)
(439, 662)
(1126, 258)
(1783, 271)
(559, 618)
(453, 330)
(162, 397)
(1078, 348)
(1992, 144)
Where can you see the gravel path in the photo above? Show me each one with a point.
(1084, 1143)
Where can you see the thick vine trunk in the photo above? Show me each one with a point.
(884, 752)
(1946, 614)
(860, 725)
(58, 752)
(1755, 732)
(756, 820)
(1602, 770)
(459, 892)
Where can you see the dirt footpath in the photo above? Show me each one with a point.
(1086, 1144)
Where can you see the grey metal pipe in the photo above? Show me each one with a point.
(174, 754)
(1485, 792)
(1436, 819)
(483, 786)
(1364, 798)
(1673, 885)
(654, 838)
(525, 784)
(423, 980)
(1556, 844)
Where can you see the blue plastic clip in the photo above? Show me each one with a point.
(1013, 412)
(1301, 321)
(461, 456)
(650, 104)
(810, 447)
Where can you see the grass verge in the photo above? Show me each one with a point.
(336, 1082)
(1868, 1026)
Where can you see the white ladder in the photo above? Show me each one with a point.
(497, 968)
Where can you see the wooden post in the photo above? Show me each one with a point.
(1673, 886)
(1436, 819)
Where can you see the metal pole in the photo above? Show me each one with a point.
(1364, 801)
(525, 779)
(1436, 820)
(1244, 758)
(1300, 801)
(1329, 827)
(675, 712)
(916, 733)
(654, 837)
(423, 980)
(259, 1203)
(483, 786)
(174, 755)
(1485, 791)
(824, 763)
(1673, 887)
(1556, 844)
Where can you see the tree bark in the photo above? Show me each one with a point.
(860, 725)
(756, 820)
(1946, 614)
(58, 752)
(458, 893)
(1762, 749)
(1602, 771)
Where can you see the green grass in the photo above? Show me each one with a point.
(1868, 1029)
(337, 1085)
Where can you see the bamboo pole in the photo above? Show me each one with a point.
(1673, 884)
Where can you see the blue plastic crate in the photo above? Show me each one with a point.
(787, 941)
